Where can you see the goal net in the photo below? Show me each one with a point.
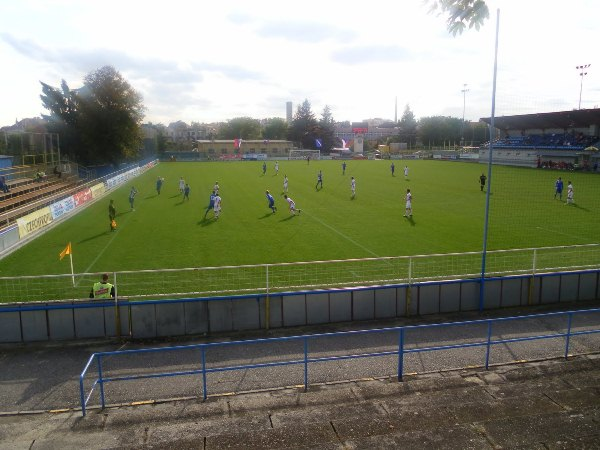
(304, 154)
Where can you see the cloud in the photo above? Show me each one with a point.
(371, 54)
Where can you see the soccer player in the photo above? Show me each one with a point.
(392, 168)
(264, 168)
(217, 206)
(285, 184)
(271, 201)
(216, 188)
(211, 203)
(276, 167)
(408, 210)
(186, 192)
(181, 185)
(132, 194)
(558, 188)
(112, 214)
(292, 204)
(159, 183)
(569, 193)
(353, 187)
(405, 171)
(319, 180)
(482, 179)
(344, 168)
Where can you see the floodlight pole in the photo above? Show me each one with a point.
(489, 176)
(582, 73)
(464, 90)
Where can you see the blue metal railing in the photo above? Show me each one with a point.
(306, 360)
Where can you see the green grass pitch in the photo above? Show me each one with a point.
(448, 216)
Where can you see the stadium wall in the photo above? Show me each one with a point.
(73, 320)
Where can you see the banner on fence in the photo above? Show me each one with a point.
(34, 221)
(62, 207)
(98, 190)
(82, 197)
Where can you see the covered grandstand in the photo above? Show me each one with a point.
(563, 140)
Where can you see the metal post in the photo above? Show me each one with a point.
(203, 357)
(488, 348)
(401, 354)
(101, 381)
(532, 279)
(408, 289)
(267, 303)
(117, 310)
(568, 339)
(305, 363)
(489, 177)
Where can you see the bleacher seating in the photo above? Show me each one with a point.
(554, 141)
(28, 192)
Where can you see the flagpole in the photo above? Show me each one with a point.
(72, 272)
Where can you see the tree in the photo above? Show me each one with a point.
(327, 129)
(461, 13)
(275, 128)
(408, 127)
(304, 128)
(240, 127)
(439, 129)
(98, 123)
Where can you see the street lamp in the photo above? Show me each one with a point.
(464, 90)
(582, 73)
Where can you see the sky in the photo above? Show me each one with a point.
(215, 61)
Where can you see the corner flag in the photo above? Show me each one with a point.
(66, 251)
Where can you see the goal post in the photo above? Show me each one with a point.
(304, 154)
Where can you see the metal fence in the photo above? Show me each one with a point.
(286, 277)
(311, 351)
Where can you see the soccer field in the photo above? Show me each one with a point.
(448, 216)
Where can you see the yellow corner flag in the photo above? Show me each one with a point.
(66, 251)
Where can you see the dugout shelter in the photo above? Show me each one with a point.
(563, 140)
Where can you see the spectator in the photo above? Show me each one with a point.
(103, 289)
(3, 185)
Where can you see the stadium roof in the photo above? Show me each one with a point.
(562, 119)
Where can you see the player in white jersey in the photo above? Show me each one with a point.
(405, 171)
(292, 204)
(216, 188)
(353, 187)
(181, 185)
(285, 184)
(217, 207)
(569, 193)
(276, 167)
(408, 210)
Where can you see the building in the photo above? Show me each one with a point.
(226, 149)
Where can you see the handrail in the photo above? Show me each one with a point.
(203, 370)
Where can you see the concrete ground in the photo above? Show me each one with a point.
(550, 403)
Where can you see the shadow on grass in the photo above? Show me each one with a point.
(176, 195)
(410, 220)
(269, 214)
(575, 205)
(291, 216)
(91, 238)
(151, 196)
(207, 221)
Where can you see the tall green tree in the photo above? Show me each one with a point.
(240, 127)
(304, 129)
(407, 127)
(275, 128)
(98, 123)
(327, 129)
(439, 129)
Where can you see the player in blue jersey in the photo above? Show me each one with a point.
(271, 201)
(558, 188)
(211, 203)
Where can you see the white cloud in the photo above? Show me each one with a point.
(215, 61)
